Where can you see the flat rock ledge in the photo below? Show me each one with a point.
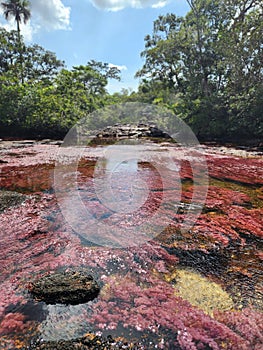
(70, 288)
(120, 131)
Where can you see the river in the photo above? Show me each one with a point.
(173, 237)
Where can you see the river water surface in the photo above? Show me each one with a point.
(177, 254)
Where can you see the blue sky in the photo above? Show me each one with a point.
(110, 31)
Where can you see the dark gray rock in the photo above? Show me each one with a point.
(10, 199)
(89, 341)
(72, 287)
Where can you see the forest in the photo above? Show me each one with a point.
(205, 67)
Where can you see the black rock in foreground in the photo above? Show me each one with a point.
(89, 341)
(65, 288)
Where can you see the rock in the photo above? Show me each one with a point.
(24, 142)
(89, 341)
(10, 199)
(65, 288)
(140, 130)
(50, 142)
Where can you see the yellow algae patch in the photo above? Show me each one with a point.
(199, 291)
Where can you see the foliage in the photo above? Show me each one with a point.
(206, 68)
(219, 89)
(51, 98)
(18, 9)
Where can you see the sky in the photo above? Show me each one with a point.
(110, 31)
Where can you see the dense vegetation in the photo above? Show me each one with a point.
(205, 67)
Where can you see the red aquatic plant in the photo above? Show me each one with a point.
(155, 308)
(13, 323)
(242, 170)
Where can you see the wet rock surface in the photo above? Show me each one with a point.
(9, 199)
(16, 144)
(65, 288)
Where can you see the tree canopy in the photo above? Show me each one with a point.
(211, 59)
(18, 9)
(51, 98)
(205, 67)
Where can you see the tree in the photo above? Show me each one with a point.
(9, 54)
(38, 63)
(212, 61)
(18, 9)
(95, 75)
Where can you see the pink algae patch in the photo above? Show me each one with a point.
(242, 170)
(248, 222)
(13, 323)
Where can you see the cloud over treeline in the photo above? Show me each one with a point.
(116, 5)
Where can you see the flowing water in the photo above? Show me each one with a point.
(177, 254)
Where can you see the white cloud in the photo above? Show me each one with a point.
(116, 5)
(48, 15)
(51, 14)
(159, 4)
(117, 66)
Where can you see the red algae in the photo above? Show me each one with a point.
(137, 300)
(13, 323)
(237, 169)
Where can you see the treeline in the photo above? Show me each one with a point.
(206, 68)
(39, 97)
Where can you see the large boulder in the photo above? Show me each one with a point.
(72, 287)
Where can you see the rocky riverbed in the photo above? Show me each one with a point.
(181, 289)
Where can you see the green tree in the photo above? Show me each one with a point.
(9, 53)
(94, 76)
(39, 64)
(211, 60)
(18, 9)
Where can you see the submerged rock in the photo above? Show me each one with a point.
(65, 288)
(89, 341)
(10, 199)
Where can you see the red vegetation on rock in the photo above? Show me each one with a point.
(237, 169)
(13, 323)
(35, 240)
(156, 307)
